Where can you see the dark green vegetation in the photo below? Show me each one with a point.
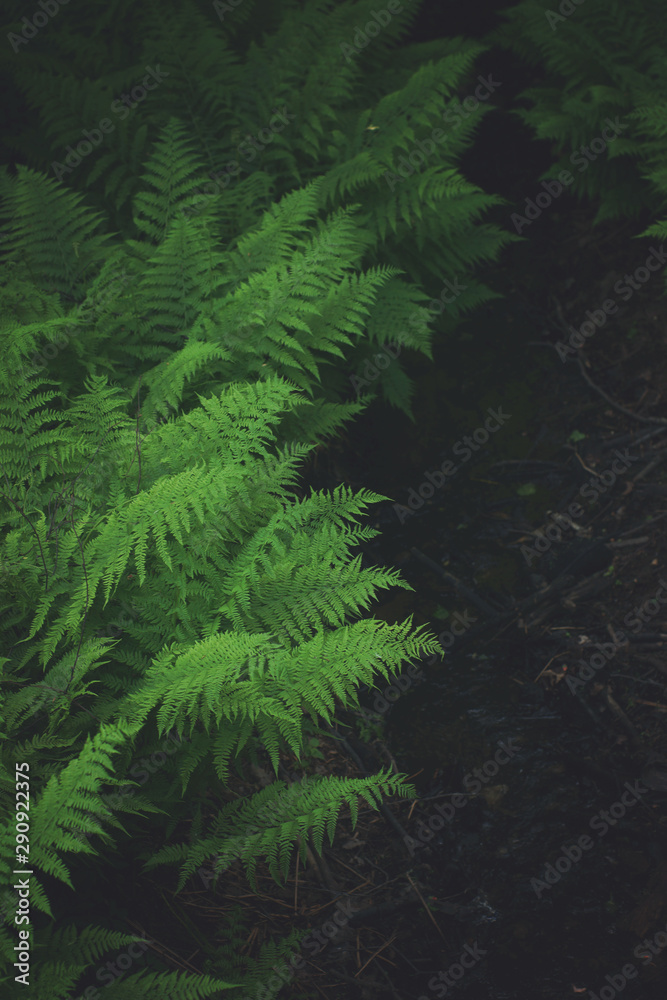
(202, 284)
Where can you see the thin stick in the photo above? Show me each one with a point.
(296, 879)
(584, 464)
(653, 704)
(423, 901)
(165, 951)
(648, 468)
(562, 653)
(612, 402)
(375, 955)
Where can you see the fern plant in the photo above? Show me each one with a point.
(598, 97)
(251, 117)
(245, 599)
(187, 288)
(177, 308)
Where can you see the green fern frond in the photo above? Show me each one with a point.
(278, 817)
(172, 173)
(52, 233)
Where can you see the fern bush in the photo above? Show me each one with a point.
(597, 62)
(177, 312)
(247, 632)
(242, 117)
(224, 223)
(171, 492)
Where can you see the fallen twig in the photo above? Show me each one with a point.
(375, 954)
(620, 714)
(391, 819)
(627, 438)
(612, 402)
(648, 468)
(643, 526)
(423, 901)
(653, 704)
